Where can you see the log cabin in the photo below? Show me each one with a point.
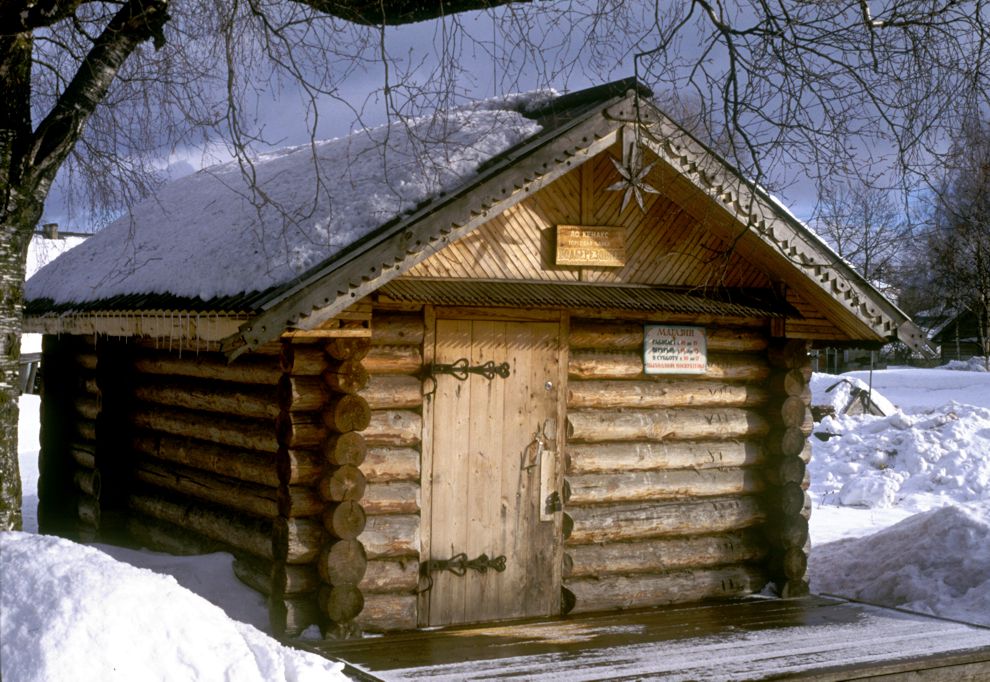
(571, 378)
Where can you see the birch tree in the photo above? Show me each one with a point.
(100, 90)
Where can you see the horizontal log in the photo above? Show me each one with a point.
(791, 498)
(633, 521)
(298, 500)
(397, 330)
(393, 360)
(255, 573)
(341, 603)
(253, 535)
(345, 520)
(791, 531)
(661, 485)
(342, 483)
(88, 509)
(300, 430)
(393, 391)
(291, 616)
(274, 578)
(391, 576)
(595, 335)
(84, 430)
(789, 382)
(664, 554)
(397, 497)
(794, 564)
(348, 348)
(86, 406)
(791, 412)
(302, 393)
(388, 612)
(244, 465)
(86, 359)
(629, 365)
(246, 497)
(87, 481)
(786, 470)
(296, 541)
(211, 366)
(658, 425)
(345, 376)
(298, 467)
(400, 428)
(345, 413)
(391, 536)
(162, 536)
(238, 433)
(83, 454)
(385, 464)
(343, 563)
(590, 458)
(674, 587)
(345, 448)
(668, 394)
(788, 442)
(250, 402)
(303, 359)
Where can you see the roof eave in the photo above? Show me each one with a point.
(386, 255)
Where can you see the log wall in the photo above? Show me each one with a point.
(392, 497)
(664, 475)
(70, 484)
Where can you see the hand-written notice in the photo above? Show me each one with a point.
(670, 349)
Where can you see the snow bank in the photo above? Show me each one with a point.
(915, 389)
(917, 461)
(974, 364)
(307, 203)
(836, 394)
(937, 562)
(71, 612)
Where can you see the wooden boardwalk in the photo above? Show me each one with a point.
(814, 638)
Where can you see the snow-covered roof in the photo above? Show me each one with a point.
(232, 229)
(296, 247)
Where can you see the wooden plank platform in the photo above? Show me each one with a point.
(814, 638)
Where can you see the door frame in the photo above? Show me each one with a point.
(430, 316)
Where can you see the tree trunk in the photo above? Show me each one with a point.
(14, 241)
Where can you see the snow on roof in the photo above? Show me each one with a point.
(212, 234)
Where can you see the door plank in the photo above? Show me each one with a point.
(449, 530)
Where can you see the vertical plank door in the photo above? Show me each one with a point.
(485, 486)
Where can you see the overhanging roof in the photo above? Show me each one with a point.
(574, 128)
(589, 296)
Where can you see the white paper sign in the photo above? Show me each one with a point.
(671, 349)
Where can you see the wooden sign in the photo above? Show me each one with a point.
(671, 349)
(599, 247)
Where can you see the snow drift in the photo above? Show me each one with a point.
(936, 562)
(71, 612)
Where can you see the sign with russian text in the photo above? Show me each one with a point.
(672, 349)
(599, 247)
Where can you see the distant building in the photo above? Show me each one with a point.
(961, 337)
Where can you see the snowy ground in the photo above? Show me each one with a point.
(901, 518)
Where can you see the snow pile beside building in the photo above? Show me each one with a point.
(846, 395)
(974, 364)
(71, 612)
(937, 562)
(916, 461)
(304, 205)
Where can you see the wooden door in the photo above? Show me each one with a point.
(487, 466)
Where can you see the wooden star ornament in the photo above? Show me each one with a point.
(633, 181)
